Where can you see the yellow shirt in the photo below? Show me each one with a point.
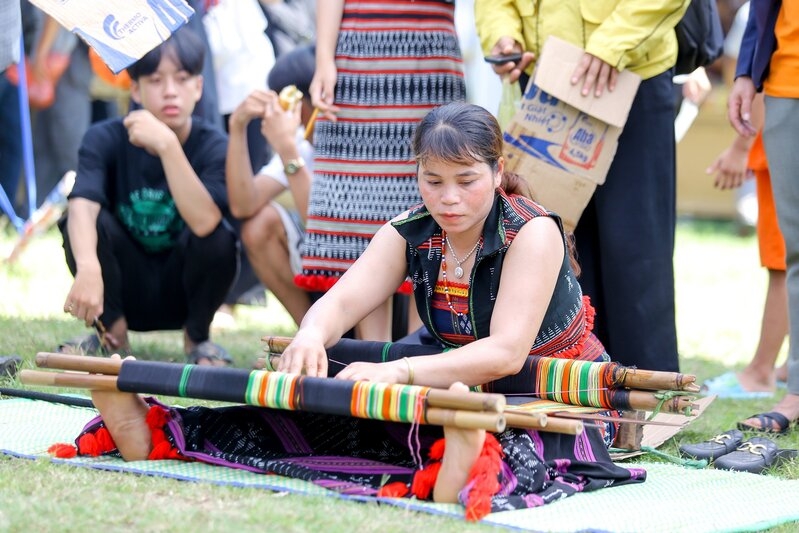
(628, 34)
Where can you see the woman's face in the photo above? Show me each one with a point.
(459, 196)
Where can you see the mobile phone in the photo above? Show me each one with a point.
(502, 59)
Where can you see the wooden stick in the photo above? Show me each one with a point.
(310, 125)
(68, 379)
(80, 363)
(465, 419)
(275, 344)
(635, 378)
(552, 425)
(648, 401)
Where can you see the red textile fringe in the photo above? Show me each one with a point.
(157, 418)
(100, 442)
(577, 348)
(397, 489)
(62, 450)
(483, 480)
(481, 485)
(317, 283)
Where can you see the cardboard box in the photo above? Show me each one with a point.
(560, 141)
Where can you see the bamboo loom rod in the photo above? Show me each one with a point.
(487, 420)
(80, 363)
(632, 378)
(551, 424)
(636, 378)
(466, 401)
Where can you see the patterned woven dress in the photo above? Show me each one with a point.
(396, 60)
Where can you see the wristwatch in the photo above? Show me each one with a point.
(293, 166)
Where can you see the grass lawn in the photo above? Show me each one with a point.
(720, 291)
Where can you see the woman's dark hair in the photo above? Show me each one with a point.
(465, 133)
(294, 68)
(184, 47)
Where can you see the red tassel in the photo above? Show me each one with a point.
(62, 451)
(105, 443)
(425, 479)
(483, 480)
(157, 418)
(397, 489)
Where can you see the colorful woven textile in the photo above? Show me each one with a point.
(396, 60)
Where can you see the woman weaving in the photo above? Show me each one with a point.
(492, 278)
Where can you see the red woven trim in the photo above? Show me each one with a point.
(317, 283)
(577, 348)
(157, 419)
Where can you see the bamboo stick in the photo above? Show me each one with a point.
(552, 424)
(275, 344)
(465, 419)
(81, 363)
(648, 401)
(636, 378)
(68, 379)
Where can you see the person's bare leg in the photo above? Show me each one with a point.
(125, 417)
(463, 447)
(376, 326)
(760, 374)
(266, 244)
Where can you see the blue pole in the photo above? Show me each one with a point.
(27, 138)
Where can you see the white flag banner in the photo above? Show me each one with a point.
(120, 31)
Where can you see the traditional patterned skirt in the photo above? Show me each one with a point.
(396, 60)
(358, 456)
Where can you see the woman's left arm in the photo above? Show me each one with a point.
(529, 274)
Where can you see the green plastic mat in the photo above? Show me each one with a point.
(672, 499)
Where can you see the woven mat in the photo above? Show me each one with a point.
(672, 499)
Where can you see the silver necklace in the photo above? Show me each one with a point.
(458, 268)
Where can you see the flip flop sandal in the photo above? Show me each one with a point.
(84, 345)
(211, 352)
(9, 365)
(713, 448)
(754, 455)
(767, 422)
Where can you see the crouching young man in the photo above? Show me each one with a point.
(146, 236)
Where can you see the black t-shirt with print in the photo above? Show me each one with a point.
(131, 183)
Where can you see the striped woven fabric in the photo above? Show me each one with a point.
(396, 60)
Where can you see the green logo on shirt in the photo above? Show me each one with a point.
(152, 218)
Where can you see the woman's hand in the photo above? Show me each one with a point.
(323, 90)
(391, 372)
(305, 355)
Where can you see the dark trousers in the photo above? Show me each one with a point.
(179, 288)
(625, 237)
